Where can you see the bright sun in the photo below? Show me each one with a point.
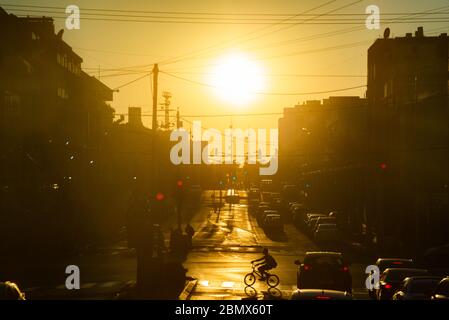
(237, 79)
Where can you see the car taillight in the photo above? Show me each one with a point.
(397, 262)
(388, 286)
(322, 297)
(306, 267)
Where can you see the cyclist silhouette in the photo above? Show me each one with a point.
(266, 263)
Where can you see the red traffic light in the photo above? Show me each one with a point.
(179, 183)
(160, 196)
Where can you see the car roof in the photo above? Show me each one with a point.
(399, 270)
(393, 259)
(417, 278)
(327, 224)
(325, 292)
(324, 253)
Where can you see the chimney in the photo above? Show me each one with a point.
(419, 33)
(135, 117)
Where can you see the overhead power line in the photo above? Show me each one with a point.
(236, 39)
(267, 93)
(199, 13)
(282, 74)
(132, 81)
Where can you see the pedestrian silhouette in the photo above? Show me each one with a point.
(190, 232)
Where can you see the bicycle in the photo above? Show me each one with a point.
(271, 279)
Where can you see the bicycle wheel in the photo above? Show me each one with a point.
(250, 278)
(272, 280)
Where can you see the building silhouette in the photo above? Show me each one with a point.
(321, 145)
(54, 120)
(407, 176)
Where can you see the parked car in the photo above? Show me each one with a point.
(309, 216)
(260, 211)
(417, 288)
(273, 223)
(318, 294)
(265, 213)
(266, 196)
(290, 192)
(275, 195)
(311, 223)
(254, 194)
(324, 270)
(324, 220)
(436, 260)
(391, 279)
(385, 263)
(277, 205)
(297, 213)
(253, 204)
(442, 290)
(326, 232)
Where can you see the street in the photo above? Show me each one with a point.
(224, 245)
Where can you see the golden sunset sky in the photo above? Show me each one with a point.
(299, 57)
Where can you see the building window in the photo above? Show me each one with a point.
(34, 36)
(11, 100)
(62, 93)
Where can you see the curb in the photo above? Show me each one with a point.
(190, 285)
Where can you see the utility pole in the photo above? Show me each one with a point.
(167, 95)
(155, 79)
(153, 159)
(178, 120)
(180, 191)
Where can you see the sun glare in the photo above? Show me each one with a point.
(237, 79)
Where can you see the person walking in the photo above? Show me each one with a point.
(190, 233)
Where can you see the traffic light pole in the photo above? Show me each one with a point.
(155, 82)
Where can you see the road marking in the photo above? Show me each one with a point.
(109, 284)
(204, 283)
(88, 285)
(228, 284)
